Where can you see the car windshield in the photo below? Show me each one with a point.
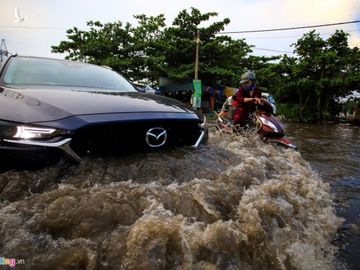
(52, 72)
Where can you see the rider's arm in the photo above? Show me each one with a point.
(225, 106)
(224, 109)
(256, 96)
(252, 100)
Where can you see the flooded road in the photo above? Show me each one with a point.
(236, 203)
(334, 152)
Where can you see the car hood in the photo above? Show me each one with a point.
(41, 105)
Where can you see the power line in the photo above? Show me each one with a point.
(287, 28)
(220, 33)
(271, 50)
(296, 36)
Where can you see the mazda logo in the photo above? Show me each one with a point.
(156, 137)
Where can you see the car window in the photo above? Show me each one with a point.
(38, 71)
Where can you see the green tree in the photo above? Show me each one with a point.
(220, 57)
(133, 51)
(150, 49)
(323, 71)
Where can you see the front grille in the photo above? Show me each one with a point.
(130, 136)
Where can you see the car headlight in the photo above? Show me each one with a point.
(26, 133)
(10, 131)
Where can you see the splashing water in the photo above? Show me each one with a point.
(236, 203)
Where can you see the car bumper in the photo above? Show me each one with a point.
(27, 156)
(32, 153)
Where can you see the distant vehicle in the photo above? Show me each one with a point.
(51, 108)
(146, 89)
(271, 99)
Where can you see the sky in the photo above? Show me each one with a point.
(46, 21)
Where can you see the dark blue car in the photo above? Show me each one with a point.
(51, 108)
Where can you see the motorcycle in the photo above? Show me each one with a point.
(267, 126)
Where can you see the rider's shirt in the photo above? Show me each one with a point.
(242, 93)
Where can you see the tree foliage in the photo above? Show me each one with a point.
(129, 50)
(323, 71)
(150, 49)
(221, 58)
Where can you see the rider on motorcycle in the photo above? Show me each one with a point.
(247, 96)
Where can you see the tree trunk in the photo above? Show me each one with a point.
(302, 107)
(319, 95)
(318, 109)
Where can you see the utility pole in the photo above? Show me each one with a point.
(197, 40)
(196, 97)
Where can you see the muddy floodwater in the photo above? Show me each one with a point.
(236, 203)
(334, 152)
